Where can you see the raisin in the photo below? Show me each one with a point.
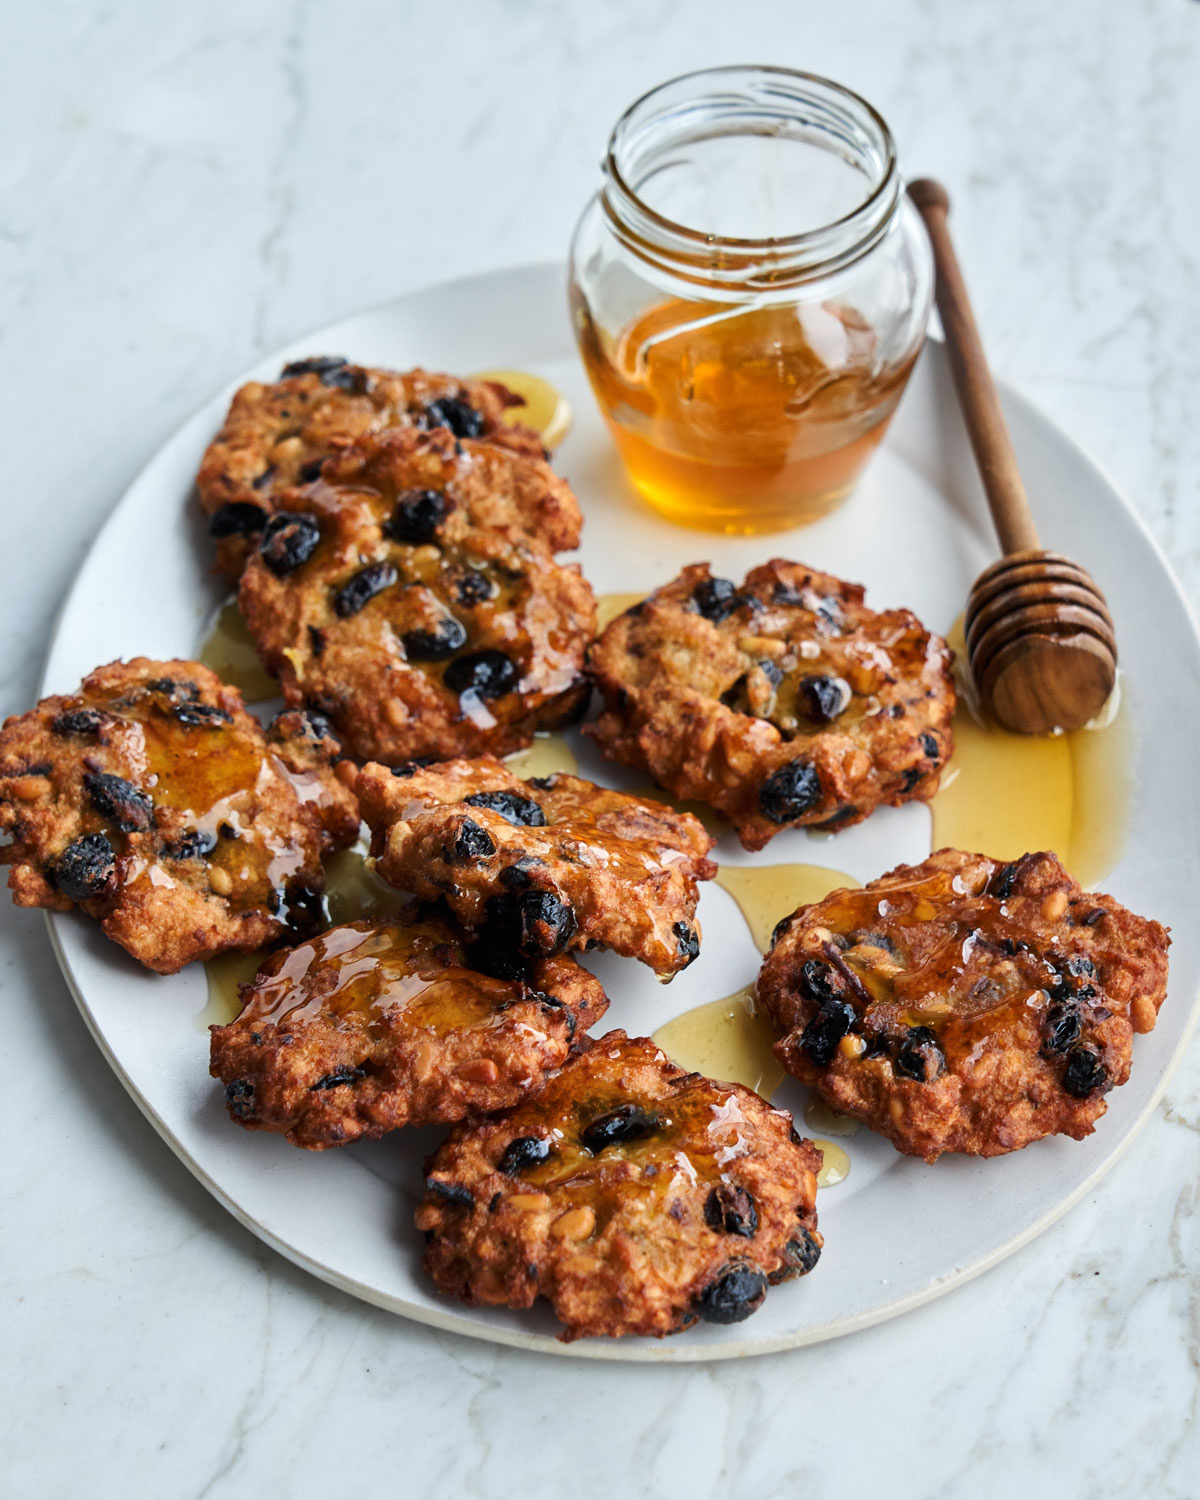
(930, 746)
(491, 674)
(780, 928)
(411, 767)
(522, 812)
(190, 845)
(84, 868)
(462, 420)
(715, 598)
(1063, 1026)
(119, 801)
(730, 1210)
(819, 981)
(919, 1057)
(303, 910)
(310, 471)
(687, 942)
(1002, 882)
(628, 1122)
(822, 698)
(911, 777)
(333, 371)
(736, 1293)
(416, 516)
(263, 479)
(85, 722)
(473, 587)
(821, 1036)
(790, 792)
(318, 364)
(1084, 1073)
(337, 1078)
(530, 922)
(452, 1192)
(473, 842)
(239, 1096)
(201, 715)
(178, 690)
(238, 518)
(802, 1253)
(446, 637)
(362, 588)
(524, 1151)
(288, 542)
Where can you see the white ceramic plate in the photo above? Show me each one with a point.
(897, 1232)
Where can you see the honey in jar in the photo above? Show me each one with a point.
(743, 420)
(749, 291)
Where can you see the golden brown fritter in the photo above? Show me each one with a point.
(635, 1197)
(411, 597)
(376, 1025)
(152, 799)
(781, 703)
(963, 1004)
(544, 865)
(276, 436)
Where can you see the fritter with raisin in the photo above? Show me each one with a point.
(411, 596)
(376, 1025)
(963, 1004)
(635, 1197)
(152, 799)
(276, 436)
(780, 703)
(541, 866)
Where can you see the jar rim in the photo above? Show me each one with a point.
(823, 245)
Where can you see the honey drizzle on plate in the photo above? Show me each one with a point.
(726, 1039)
(609, 606)
(765, 894)
(544, 407)
(548, 753)
(835, 1166)
(227, 650)
(1005, 795)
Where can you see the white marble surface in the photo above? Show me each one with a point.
(186, 186)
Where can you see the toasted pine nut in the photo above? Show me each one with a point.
(575, 1224)
(1054, 905)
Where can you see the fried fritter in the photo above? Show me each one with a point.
(635, 1197)
(963, 1004)
(276, 436)
(412, 597)
(375, 1025)
(152, 799)
(781, 703)
(544, 865)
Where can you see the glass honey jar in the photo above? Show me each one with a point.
(750, 289)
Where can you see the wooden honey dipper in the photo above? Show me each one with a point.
(1039, 636)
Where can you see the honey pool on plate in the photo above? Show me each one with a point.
(742, 420)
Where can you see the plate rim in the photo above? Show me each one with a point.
(665, 1351)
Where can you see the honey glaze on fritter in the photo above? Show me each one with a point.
(172, 747)
(353, 976)
(353, 892)
(590, 1139)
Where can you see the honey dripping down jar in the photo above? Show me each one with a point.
(750, 289)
